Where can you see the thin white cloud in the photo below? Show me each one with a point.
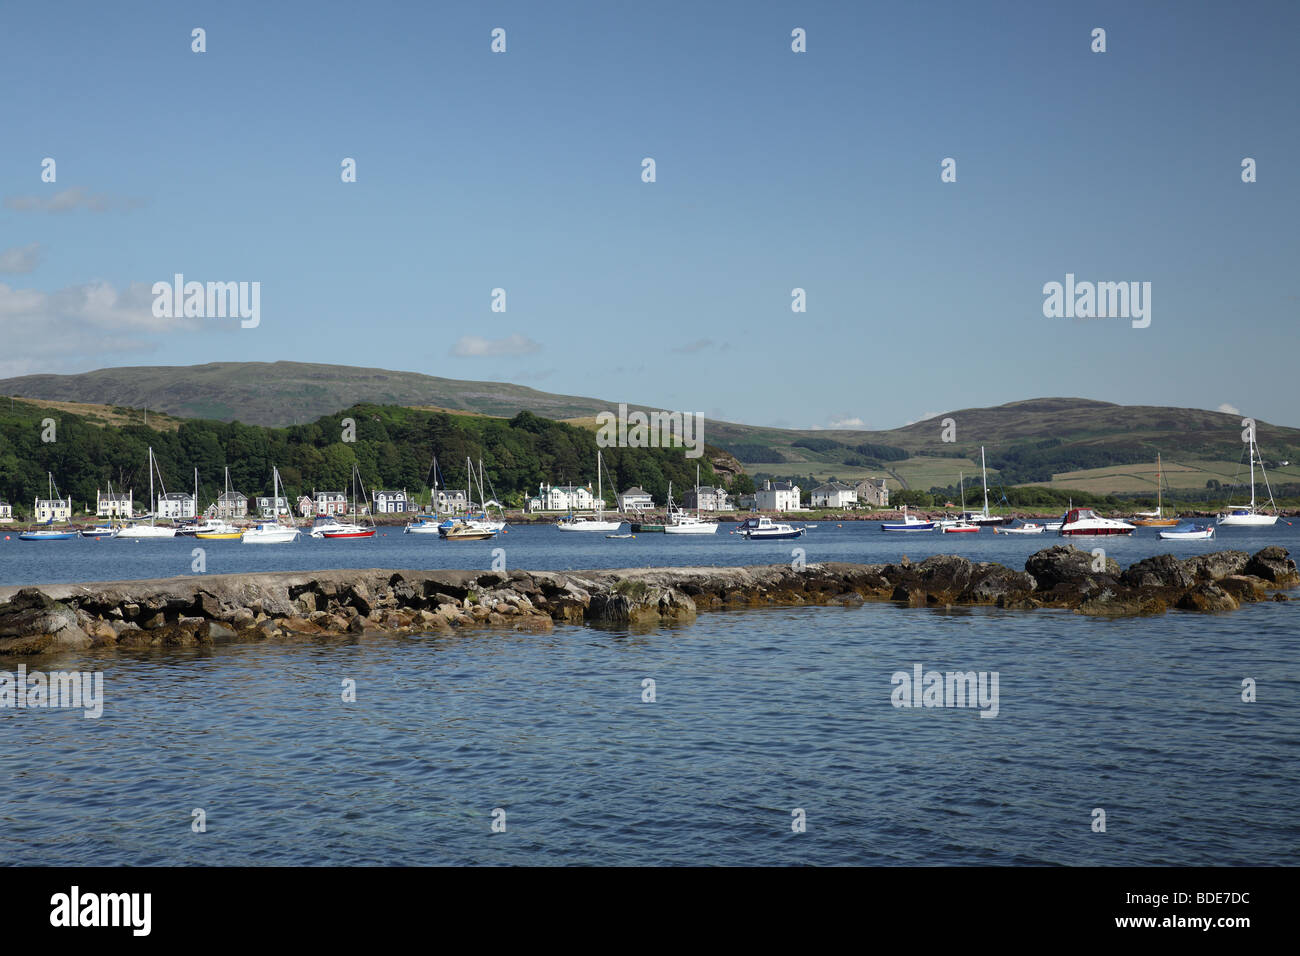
(20, 260)
(925, 417)
(1229, 409)
(44, 331)
(474, 346)
(69, 200)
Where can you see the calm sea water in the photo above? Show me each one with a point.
(757, 713)
(543, 547)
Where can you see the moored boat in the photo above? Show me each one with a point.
(1029, 527)
(1190, 532)
(1250, 516)
(138, 531)
(271, 532)
(1084, 522)
(764, 528)
(596, 523)
(909, 523)
(466, 531)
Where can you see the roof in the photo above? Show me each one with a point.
(177, 496)
(636, 491)
(231, 496)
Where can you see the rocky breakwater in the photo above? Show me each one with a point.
(286, 606)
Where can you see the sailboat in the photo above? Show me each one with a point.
(150, 530)
(1251, 517)
(215, 529)
(962, 525)
(984, 518)
(190, 528)
(681, 523)
(272, 532)
(1155, 519)
(580, 523)
(467, 526)
(103, 530)
(329, 527)
(46, 531)
(427, 523)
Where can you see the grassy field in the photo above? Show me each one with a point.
(1187, 476)
(104, 415)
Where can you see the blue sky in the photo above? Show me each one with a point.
(775, 170)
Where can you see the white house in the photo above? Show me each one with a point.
(565, 498)
(231, 504)
(6, 512)
(873, 491)
(710, 499)
(390, 502)
(56, 509)
(635, 499)
(175, 504)
(777, 496)
(269, 508)
(115, 504)
(834, 494)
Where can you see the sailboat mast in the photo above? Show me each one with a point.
(984, 472)
(697, 491)
(961, 484)
(153, 505)
(1160, 487)
(1252, 472)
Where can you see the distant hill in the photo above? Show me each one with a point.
(287, 393)
(1026, 442)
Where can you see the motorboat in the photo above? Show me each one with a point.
(271, 532)
(959, 527)
(1189, 532)
(764, 528)
(1086, 522)
(909, 523)
(99, 531)
(465, 531)
(330, 527)
(216, 530)
(423, 524)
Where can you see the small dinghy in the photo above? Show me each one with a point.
(1029, 527)
(620, 536)
(1191, 532)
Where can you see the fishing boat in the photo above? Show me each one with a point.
(1250, 516)
(643, 527)
(139, 532)
(1155, 519)
(1189, 532)
(681, 523)
(271, 532)
(764, 528)
(334, 529)
(1084, 522)
(1029, 527)
(597, 523)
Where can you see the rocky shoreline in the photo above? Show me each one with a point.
(285, 606)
